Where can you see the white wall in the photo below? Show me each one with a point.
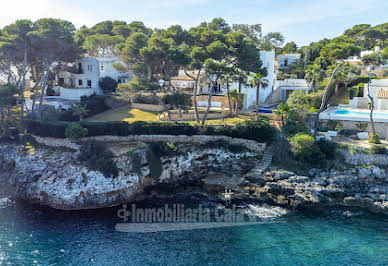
(75, 94)
(376, 84)
(268, 60)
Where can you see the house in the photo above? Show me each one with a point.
(268, 60)
(287, 86)
(185, 83)
(378, 90)
(83, 78)
(288, 59)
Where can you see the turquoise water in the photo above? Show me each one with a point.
(31, 235)
(359, 113)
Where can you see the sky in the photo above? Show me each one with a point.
(302, 21)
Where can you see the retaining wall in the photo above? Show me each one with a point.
(196, 139)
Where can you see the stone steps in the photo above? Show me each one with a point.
(263, 165)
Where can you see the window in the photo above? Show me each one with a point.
(80, 82)
(90, 68)
(102, 67)
(80, 70)
(119, 81)
(89, 83)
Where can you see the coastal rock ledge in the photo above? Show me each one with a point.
(55, 178)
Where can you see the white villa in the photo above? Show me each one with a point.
(378, 90)
(85, 80)
(288, 59)
(183, 82)
(287, 86)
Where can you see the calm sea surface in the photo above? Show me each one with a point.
(35, 235)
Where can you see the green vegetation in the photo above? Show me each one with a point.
(97, 157)
(258, 130)
(108, 84)
(374, 138)
(75, 131)
(378, 149)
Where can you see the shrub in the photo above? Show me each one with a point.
(378, 149)
(291, 128)
(108, 84)
(69, 116)
(327, 148)
(106, 128)
(374, 138)
(97, 157)
(306, 149)
(53, 129)
(162, 148)
(258, 130)
(334, 125)
(146, 99)
(50, 113)
(94, 104)
(162, 128)
(75, 131)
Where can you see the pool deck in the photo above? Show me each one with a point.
(329, 114)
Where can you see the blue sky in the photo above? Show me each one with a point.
(301, 21)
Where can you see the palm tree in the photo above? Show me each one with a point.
(258, 81)
(80, 110)
(282, 111)
(314, 74)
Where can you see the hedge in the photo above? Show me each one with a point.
(258, 130)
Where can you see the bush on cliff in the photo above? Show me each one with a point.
(75, 131)
(291, 128)
(306, 149)
(378, 149)
(97, 157)
(374, 138)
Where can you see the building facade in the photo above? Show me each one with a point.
(185, 83)
(288, 59)
(84, 79)
(378, 90)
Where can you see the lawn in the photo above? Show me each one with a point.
(125, 113)
(130, 115)
(224, 121)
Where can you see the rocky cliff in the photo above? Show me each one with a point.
(54, 177)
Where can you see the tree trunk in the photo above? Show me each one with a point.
(44, 84)
(372, 107)
(257, 100)
(336, 89)
(323, 103)
(239, 95)
(209, 103)
(23, 87)
(180, 113)
(196, 79)
(36, 90)
(229, 103)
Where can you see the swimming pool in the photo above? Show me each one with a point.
(350, 112)
(353, 114)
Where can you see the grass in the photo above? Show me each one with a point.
(125, 113)
(224, 121)
(130, 115)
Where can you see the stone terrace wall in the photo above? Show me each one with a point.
(365, 159)
(196, 139)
